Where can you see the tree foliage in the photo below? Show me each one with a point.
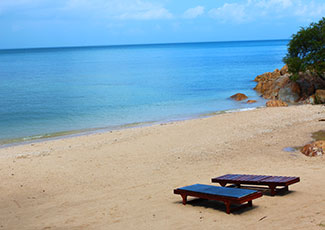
(306, 50)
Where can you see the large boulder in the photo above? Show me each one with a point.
(239, 97)
(320, 96)
(282, 81)
(269, 84)
(307, 86)
(263, 86)
(270, 88)
(316, 148)
(309, 83)
(290, 92)
(276, 103)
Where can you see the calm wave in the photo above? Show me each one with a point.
(57, 90)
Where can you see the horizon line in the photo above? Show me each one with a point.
(138, 44)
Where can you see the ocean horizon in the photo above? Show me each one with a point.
(134, 44)
(46, 92)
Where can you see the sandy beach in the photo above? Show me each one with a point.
(124, 179)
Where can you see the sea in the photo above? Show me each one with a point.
(51, 92)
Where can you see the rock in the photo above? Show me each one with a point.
(282, 81)
(290, 93)
(268, 76)
(295, 88)
(239, 97)
(316, 148)
(320, 96)
(263, 77)
(276, 103)
(284, 70)
(264, 86)
(309, 83)
(272, 88)
(251, 101)
(269, 84)
(276, 73)
(260, 87)
(310, 100)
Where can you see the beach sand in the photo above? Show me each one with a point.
(124, 179)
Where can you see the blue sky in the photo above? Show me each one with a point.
(48, 23)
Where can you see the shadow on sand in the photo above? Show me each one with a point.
(217, 205)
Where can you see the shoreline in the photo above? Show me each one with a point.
(75, 133)
(125, 179)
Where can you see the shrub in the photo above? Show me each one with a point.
(306, 51)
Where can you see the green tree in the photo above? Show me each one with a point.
(306, 50)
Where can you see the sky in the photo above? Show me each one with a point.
(57, 23)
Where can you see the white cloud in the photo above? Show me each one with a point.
(146, 14)
(117, 9)
(193, 12)
(274, 4)
(126, 9)
(249, 10)
(310, 10)
(230, 12)
(239, 11)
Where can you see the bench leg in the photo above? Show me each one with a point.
(227, 203)
(184, 198)
(272, 187)
(223, 184)
(286, 188)
(250, 203)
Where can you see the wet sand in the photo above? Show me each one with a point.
(124, 179)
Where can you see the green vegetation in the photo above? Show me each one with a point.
(306, 51)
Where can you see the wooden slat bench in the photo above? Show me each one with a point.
(271, 181)
(227, 195)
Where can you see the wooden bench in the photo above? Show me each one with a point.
(271, 181)
(227, 195)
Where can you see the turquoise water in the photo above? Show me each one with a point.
(53, 90)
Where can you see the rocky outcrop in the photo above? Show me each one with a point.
(268, 76)
(277, 85)
(316, 148)
(251, 101)
(320, 96)
(284, 70)
(279, 88)
(239, 97)
(276, 103)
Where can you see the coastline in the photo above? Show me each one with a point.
(124, 179)
(144, 85)
(74, 133)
